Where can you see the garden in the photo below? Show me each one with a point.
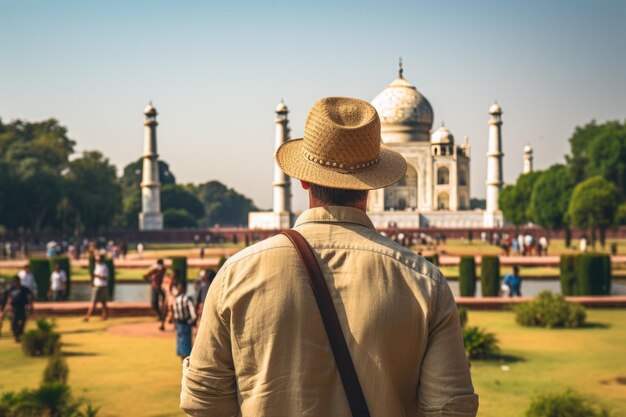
(139, 375)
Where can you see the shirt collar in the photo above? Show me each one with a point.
(335, 214)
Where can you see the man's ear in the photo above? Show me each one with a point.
(305, 185)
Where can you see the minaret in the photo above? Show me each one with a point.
(282, 183)
(150, 217)
(494, 167)
(528, 159)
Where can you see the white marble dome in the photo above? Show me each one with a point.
(282, 107)
(528, 149)
(405, 114)
(495, 109)
(150, 110)
(442, 136)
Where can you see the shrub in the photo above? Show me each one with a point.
(467, 276)
(56, 371)
(479, 343)
(490, 276)
(40, 267)
(567, 404)
(64, 263)
(568, 275)
(52, 400)
(593, 273)
(179, 264)
(223, 260)
(433, 259)
(463, 316)
(42, 341)
(550, 310)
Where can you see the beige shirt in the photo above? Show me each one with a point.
(261, 349)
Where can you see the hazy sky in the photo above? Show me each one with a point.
(216, 70)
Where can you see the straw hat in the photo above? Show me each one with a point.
(341, 148)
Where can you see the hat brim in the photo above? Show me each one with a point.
(390, 168)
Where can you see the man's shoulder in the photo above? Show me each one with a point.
(274, 243)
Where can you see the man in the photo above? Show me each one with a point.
(155, 278)
(184, 314)
(18, 300)
(206, 278)
(99, 289)
(261, 348)
(58, 283)
(27, 279)
(514, 283)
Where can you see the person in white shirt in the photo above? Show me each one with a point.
(28, 280)
(99, 288)
(58, 284)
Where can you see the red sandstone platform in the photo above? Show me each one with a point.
(127, 309)
(213, 261)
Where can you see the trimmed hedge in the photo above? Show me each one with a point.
(40, 267)
(64, 263)
(490, 276)
(179, 265)
(433, 259)
(568, 275)
(593, 273)
(467, 276)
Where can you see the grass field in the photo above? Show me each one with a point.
(140, 376)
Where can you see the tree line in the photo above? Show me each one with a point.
(588, 191)
(46, 186)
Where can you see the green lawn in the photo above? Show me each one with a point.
(141, 376)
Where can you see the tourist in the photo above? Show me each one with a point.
(27, 279)
(514, 283)
(157, 294)
(18, 299)
(206, 278)
(184, 318)
(124, 249)
(99, 288)
(58, 284)
(140, 249)
(582, 244)
(262, 348)
(543, 246)
(520, 243)
(4, 294)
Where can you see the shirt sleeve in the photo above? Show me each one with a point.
(208, 385)
(445, 387)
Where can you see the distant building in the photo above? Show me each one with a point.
(435, 192)
(150, 217)
(280, 217)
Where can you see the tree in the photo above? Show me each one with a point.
(131, 191)
(174, 196)
(223, 205)
(515, 199)
(34, 156)
(175, 218)
(599, 149)
(593, 206)
(550, 197)
(93, 191)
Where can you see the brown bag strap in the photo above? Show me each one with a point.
(349, 378)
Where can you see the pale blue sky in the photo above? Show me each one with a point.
(215, 72)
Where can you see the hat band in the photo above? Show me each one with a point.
(343, 167)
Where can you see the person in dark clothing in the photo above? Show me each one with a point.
(18, 299)
(206, 278)
(155, 278)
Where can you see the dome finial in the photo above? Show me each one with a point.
(400, 69)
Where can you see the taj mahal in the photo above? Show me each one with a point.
(435, 191)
